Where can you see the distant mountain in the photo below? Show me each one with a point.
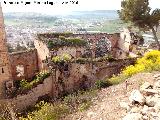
(29, 16)
(97, 14)
(107, 14)
(98, 20)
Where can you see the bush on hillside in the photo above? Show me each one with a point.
(47, 111)
(102, 84)
(150, 62)
(54, 111)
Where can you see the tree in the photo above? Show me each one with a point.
(140, 14)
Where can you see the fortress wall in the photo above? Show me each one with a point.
(80, 76)
(25, 62)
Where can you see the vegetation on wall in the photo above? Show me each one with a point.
(67, 58)
(60, 39)
(61, 58)
(53, 35)
(79, 101)
(24, 85)
(106, 58)
(70, 42)
(56, 40)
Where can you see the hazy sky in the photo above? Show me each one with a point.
(59, 8)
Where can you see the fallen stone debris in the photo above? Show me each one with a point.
(144, 104)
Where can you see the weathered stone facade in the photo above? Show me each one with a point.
(78, 76)
(5, 68)
(28, 62)
(113, 38)
(124, 43)
(44, 52)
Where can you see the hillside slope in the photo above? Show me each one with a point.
(107, 105)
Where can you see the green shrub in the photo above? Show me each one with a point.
(62, 37)
(62, 41)
(47, 111)
(110, 59)
(25, 85)
(114, 80)
(84, 106)
(42, 75)
(71, 103)
(150, 62)
(61, 58)
(80, 101)
(82, 60)
(102, 84)
(50, 44)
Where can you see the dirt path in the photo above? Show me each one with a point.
(106, 104)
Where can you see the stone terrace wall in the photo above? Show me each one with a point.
(28, 60)
(80, 75)
(21, 102)
(104, 70)
(52, 87)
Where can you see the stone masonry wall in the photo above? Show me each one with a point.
(42, 53)
(79, 76)
(27, 60)
(21, 102)
(70, 50)
(97, 36)
(105, 70)
(5, 72)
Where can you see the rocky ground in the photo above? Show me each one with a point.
(114, 103)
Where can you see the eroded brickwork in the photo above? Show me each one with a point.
(113, 38)
(78, 76)
(27, 63)
(43, 51)
(5, 73)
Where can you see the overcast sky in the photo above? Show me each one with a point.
(59, 8)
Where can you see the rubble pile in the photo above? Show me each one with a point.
(144, 104)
